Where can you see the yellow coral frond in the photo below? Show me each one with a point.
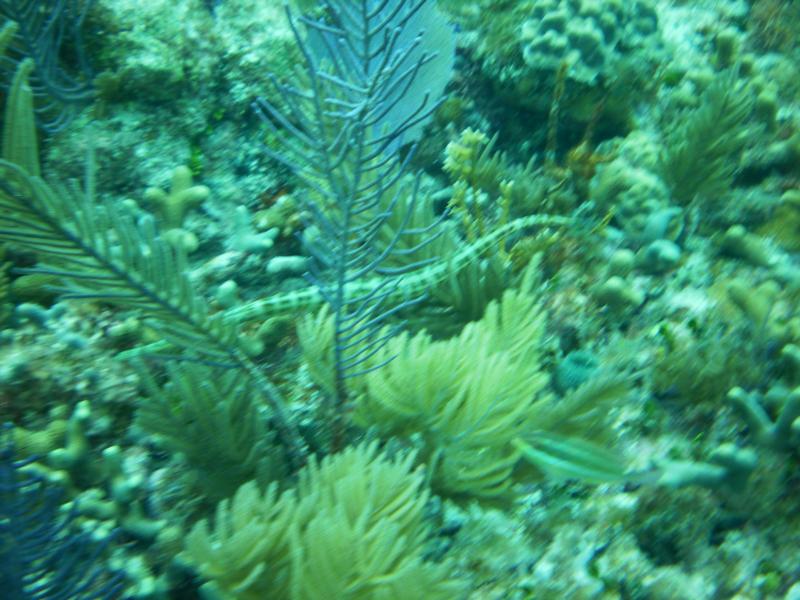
(250, 532)
(468, 397)
(353, 529)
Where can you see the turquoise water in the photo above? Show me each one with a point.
(399, 299)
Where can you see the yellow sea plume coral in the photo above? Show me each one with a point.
(246, 553)
(467, 397)
(470, 157)
(353, 529)
(477, 407)
(479, 172)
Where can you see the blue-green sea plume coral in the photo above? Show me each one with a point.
(371, 75)
(99, 252)
(700, 152)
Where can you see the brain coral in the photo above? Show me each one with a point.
(581, 33)
(524, 45)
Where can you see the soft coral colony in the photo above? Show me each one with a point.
(318, 437)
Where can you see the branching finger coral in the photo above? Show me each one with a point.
(43, 555)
